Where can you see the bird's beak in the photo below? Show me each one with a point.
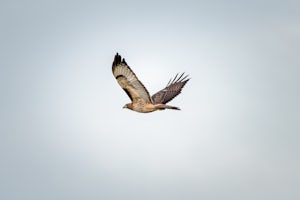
(124, 106)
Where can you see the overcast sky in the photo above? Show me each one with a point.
(65, 136)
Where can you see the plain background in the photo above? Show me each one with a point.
(64, 134)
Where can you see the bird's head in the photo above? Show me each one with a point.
(128, 105)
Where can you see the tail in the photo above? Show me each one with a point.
(172, 107)
(164, 106)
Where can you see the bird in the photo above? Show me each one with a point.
(141, 101)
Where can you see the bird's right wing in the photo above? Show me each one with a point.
(128, 81)
(172, 89)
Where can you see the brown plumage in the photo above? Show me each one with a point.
(138, 94)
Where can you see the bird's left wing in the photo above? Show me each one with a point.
(172, 89)
(129, 81)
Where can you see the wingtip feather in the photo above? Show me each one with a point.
(181, 78)
(118, 60)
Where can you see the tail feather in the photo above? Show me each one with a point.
(172, 107)
(164, 106)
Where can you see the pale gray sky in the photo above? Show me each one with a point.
(65, 136)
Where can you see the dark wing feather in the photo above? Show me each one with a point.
(129, 81)
(172, 89)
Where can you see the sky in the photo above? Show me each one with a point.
(64, 133)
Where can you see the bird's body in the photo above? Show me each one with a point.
(140, 98)
(143, 107)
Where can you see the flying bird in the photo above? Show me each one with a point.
(141, 101)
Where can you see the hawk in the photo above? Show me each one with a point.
(141, 101)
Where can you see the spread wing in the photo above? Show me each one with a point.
(128, 81)
(172, 89)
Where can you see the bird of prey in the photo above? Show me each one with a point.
(141, 101)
